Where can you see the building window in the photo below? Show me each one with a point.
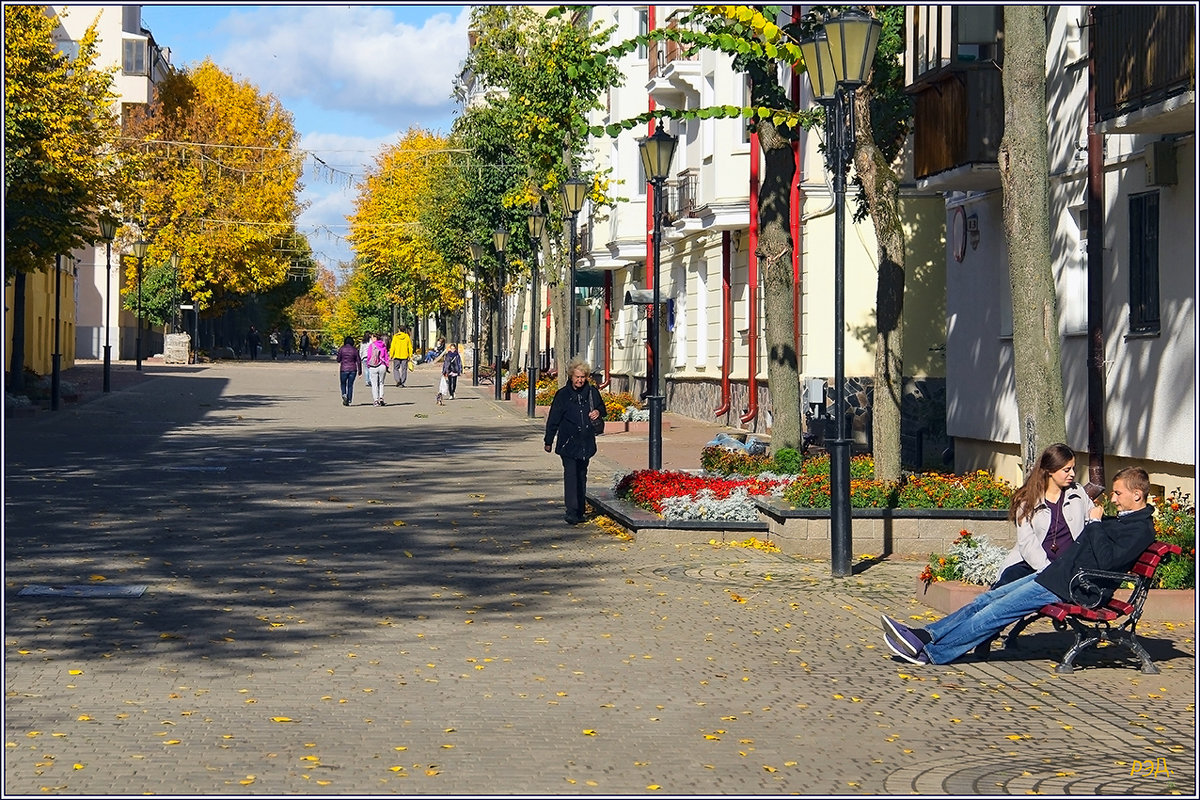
(643, 52)
(133, 61)
(1143, 263)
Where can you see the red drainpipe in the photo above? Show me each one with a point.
(608, 281)
(651, 356)
(752, 283)
(726, 324)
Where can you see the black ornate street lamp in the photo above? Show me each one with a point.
(476, 256)
(108, 232)
(139, 252)
(838, 60)
(656, 151)
(537, 224)
(56, 357)
(500, 242)
(574, 193)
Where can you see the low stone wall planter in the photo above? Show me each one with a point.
(1162, 605)
(882, 531)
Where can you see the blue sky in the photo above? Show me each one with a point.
(355, 77)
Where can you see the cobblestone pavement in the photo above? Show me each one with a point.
(385, 600)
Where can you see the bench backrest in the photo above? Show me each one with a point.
(1148, 561)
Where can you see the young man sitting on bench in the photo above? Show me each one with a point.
(1112, 543)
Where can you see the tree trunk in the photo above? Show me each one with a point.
(16, 362)
(1024, 175)
(775, 260)
(881, 187)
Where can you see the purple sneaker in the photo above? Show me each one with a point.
(900, 652)
(903, 636)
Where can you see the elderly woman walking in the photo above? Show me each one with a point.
(572, 412)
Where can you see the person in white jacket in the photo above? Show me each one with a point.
(1049, 510)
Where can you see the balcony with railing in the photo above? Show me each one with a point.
(674, 68)
(953, 60)
(1146, 68)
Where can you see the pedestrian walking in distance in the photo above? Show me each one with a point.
(349, 368)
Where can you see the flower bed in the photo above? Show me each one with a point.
(685, 495)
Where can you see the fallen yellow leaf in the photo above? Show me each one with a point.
(588, 732)
(282, 719)
(74, 672)
(78, 766)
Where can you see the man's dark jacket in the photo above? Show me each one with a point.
(1113, 543)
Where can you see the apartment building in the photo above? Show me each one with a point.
(99, 283)
(713, 345)
(1121, 118)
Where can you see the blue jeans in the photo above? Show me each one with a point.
(348, 379)
(984, 617)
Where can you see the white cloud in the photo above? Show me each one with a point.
(354, 59)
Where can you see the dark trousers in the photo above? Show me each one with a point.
(1013, 573)
(575, 486)
(348, 379)
(452, 382)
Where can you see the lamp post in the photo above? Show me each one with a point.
(574, 193)
(537, 224)
(476, 255)
(500, 242)
(838, 61)
(108, 232)
(139, 252)
(656, 152)
(56, 358)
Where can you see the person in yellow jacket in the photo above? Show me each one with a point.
(400, 351)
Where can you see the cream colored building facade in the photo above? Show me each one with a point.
(706, 252)
(123, 44)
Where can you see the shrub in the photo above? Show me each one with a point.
(723, 461)
(970, 560)
(1175, 522)
(788, 461)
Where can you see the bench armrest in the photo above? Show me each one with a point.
(1091, 588)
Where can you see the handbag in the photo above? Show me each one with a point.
(597, 424)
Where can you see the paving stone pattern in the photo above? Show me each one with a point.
(363, 601)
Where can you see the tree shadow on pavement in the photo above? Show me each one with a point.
(256, 535)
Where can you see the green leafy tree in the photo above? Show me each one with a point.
(544, 72)
(765, 50)
(59, 161)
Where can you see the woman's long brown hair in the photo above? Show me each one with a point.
(1024, 499)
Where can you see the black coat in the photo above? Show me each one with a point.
(1113, 543)
(568, 418)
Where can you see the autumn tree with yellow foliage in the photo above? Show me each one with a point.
(390, 231)
(217, 185)
(59, 164)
